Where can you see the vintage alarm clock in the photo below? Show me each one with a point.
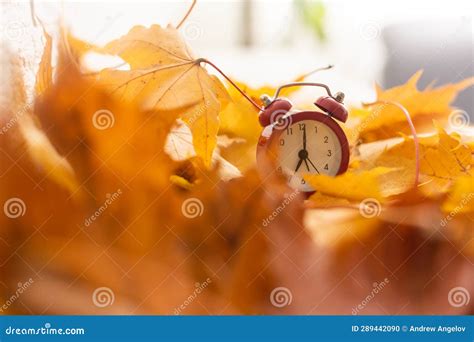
(304, 141)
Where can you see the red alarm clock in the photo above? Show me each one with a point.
(306, 141)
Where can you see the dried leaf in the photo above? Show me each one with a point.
(44, 76)
(164, 74)
(443, 158)
(351, 185)
(45, 156)
(461, 196)
(382, 122)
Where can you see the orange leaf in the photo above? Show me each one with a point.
(44, 76)
(381, 122)
(164, 74)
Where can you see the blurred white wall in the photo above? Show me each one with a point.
(282, 46)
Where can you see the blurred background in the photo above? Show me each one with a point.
(272, 41)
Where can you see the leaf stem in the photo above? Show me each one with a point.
(230, 81)
(186, 15)
(413, 132)
(304, 76)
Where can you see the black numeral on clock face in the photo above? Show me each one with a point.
(302, 126)
(329, 153)
(289, 131)
(326, 167)
(326, 139)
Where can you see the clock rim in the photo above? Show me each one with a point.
(265, 141)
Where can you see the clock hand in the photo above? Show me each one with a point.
(299, 164)
(312, 165)
(306, 163)
(304, 137)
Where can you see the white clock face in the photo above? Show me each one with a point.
(308, 147)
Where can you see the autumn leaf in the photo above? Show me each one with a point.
(382, 122)
(461, 196)
(83, 118)
(164, 73)
(43, 153)
(346, 225)
(240, 120)
(38, 147)
(35, 175)
(155, 222)
(351, 185)
(443, 158)
(44, 76)
(179, 146)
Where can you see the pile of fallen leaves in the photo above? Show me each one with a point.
(139, 184)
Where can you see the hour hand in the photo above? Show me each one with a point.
(299, 164)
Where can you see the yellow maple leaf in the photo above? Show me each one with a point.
(381, 122)
(179, 147)
(461, 196)
(164, 74)
(240, 120)
(319, 200)
(352, 185)
(443, 158)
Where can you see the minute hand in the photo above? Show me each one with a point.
(304, 137)
(313, 165)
